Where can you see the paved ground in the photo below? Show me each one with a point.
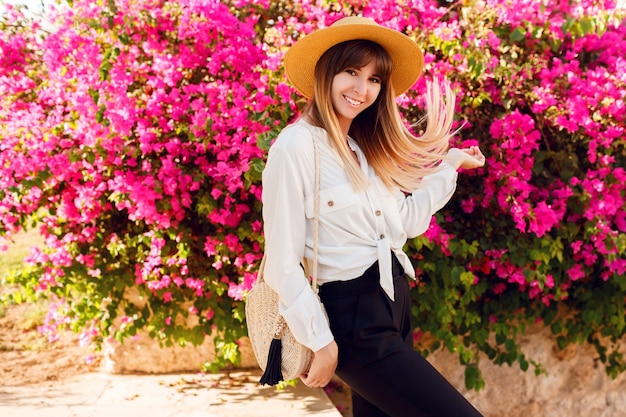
(185, 395)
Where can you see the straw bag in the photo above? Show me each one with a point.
(277, 351)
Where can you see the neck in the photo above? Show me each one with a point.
(345, 126)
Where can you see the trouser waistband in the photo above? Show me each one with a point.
(369, 281)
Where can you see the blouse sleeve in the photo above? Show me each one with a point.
(284, 176)
(435, 191)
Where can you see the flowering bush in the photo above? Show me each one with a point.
(134, 135)
(130, 132)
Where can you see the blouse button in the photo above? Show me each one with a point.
(382, 236)
(331, 203)
(378, 212)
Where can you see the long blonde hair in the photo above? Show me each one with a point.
(400, 158)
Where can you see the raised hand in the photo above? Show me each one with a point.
(466, 158)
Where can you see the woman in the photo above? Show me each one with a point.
(379, 185)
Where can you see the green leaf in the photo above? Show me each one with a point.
(523, 363)
(473, 378)
(517, 35)
(100, 113)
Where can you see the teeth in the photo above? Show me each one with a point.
(351, 101)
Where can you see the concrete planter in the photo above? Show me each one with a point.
(144, 355)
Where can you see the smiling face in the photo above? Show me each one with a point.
(354, 90)
(350, 77)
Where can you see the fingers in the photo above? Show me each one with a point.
(315, 380)
(472, 150)
(323, 366)
(466, 158)
(478, 159)
(320, 374)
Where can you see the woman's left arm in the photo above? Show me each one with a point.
(436, 190)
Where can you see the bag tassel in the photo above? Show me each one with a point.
(273, 369)
(273, 373)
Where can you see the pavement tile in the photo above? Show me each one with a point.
(236, 394)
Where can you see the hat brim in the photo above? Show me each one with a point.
(406, 56)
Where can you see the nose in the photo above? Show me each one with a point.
(360, 85)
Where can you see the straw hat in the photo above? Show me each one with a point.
(406, 56)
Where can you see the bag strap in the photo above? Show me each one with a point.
(316, 218)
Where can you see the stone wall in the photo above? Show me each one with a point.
(142, 354)
(576, 384)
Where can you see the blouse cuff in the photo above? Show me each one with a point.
(307, 321)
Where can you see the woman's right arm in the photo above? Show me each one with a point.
(288, 168)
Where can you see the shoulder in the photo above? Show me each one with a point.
(296, 140)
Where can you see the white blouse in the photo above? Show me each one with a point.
(355, 228)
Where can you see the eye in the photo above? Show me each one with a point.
(351, 71)
(375, 80)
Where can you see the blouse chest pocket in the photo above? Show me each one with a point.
(332, 200)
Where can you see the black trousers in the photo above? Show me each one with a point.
(376, 355)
